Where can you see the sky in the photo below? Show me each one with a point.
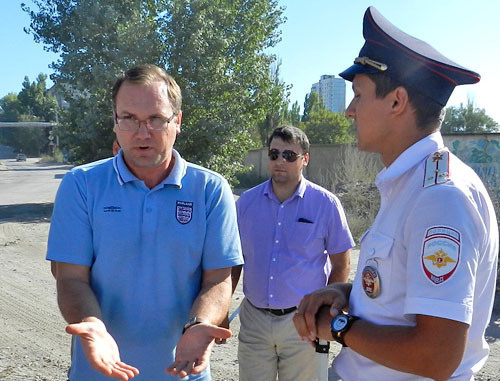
(323, 37)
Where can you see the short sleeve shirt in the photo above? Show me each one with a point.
(147, 249)
(434, 248)
(286, 245)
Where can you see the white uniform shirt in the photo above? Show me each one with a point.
(434, 248)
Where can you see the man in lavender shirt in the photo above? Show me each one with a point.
(289, 228)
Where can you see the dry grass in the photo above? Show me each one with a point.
(352, 180)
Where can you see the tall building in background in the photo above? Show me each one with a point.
(333, 92)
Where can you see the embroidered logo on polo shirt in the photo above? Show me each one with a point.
(112, 209)
(184, 211)
(440, 253)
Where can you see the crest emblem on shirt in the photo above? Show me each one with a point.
(184, 211)
(440, 253)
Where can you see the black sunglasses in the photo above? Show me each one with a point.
(288, 155)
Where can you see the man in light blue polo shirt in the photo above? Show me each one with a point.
(290, 228)
(142, 246)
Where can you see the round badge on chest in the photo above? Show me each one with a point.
(371, 281)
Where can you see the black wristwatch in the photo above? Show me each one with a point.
(191, 322)
(340, 325)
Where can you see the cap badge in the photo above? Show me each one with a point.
(367, 61)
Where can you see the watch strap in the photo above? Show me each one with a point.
(338, 336)
(193, 321)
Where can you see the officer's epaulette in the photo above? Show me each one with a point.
(437, 168)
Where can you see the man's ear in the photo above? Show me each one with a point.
(178, 122)
(306, 159)
(399, 100)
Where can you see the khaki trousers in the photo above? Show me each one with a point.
(270, 347)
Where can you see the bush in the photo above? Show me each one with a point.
(352, 181)
(247, 180)
(56, 157)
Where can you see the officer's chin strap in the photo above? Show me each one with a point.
(322, 349)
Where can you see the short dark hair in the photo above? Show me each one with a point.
(145, 75)
(291, 134)
(427, 111)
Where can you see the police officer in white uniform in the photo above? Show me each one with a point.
(423, 293)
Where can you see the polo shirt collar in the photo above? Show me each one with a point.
(124, 175)
(411, 157)
(178, 171)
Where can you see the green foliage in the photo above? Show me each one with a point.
(32, 104)
(96, 40)
(328, 127)
(213, 48)
(292, 116)
(11, 108)
(467, 119)
(250, 179)
(55, 157)
(312, 103)
(278, 104)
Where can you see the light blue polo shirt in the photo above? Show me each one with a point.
(147, 249)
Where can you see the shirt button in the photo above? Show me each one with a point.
(271, 295)
(276, 241)
(148, 210)
(282, 206)
(274, 259)
(279, 223)
(271, 277)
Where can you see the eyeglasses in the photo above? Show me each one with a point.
(129, 123)
(288, 155)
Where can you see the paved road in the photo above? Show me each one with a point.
(33, 345)
(29, 182)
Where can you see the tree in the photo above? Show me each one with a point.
(312, 103)
(467, 119)
(32, 104)
(213, 48)
(278, 103)
(10, 108)
(328, 127)
(292, 116)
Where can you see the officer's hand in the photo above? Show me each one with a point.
(101, 350)
(192, 355)
(334, 296)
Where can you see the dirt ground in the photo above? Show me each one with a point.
(33, 344)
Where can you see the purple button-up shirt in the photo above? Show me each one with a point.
(286, 245)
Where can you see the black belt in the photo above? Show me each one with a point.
(277, 312)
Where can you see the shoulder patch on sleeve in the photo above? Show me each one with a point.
(440, 253)
(437, 168)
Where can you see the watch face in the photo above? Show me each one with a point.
(339, 323)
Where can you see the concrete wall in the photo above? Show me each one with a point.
(480, 151)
